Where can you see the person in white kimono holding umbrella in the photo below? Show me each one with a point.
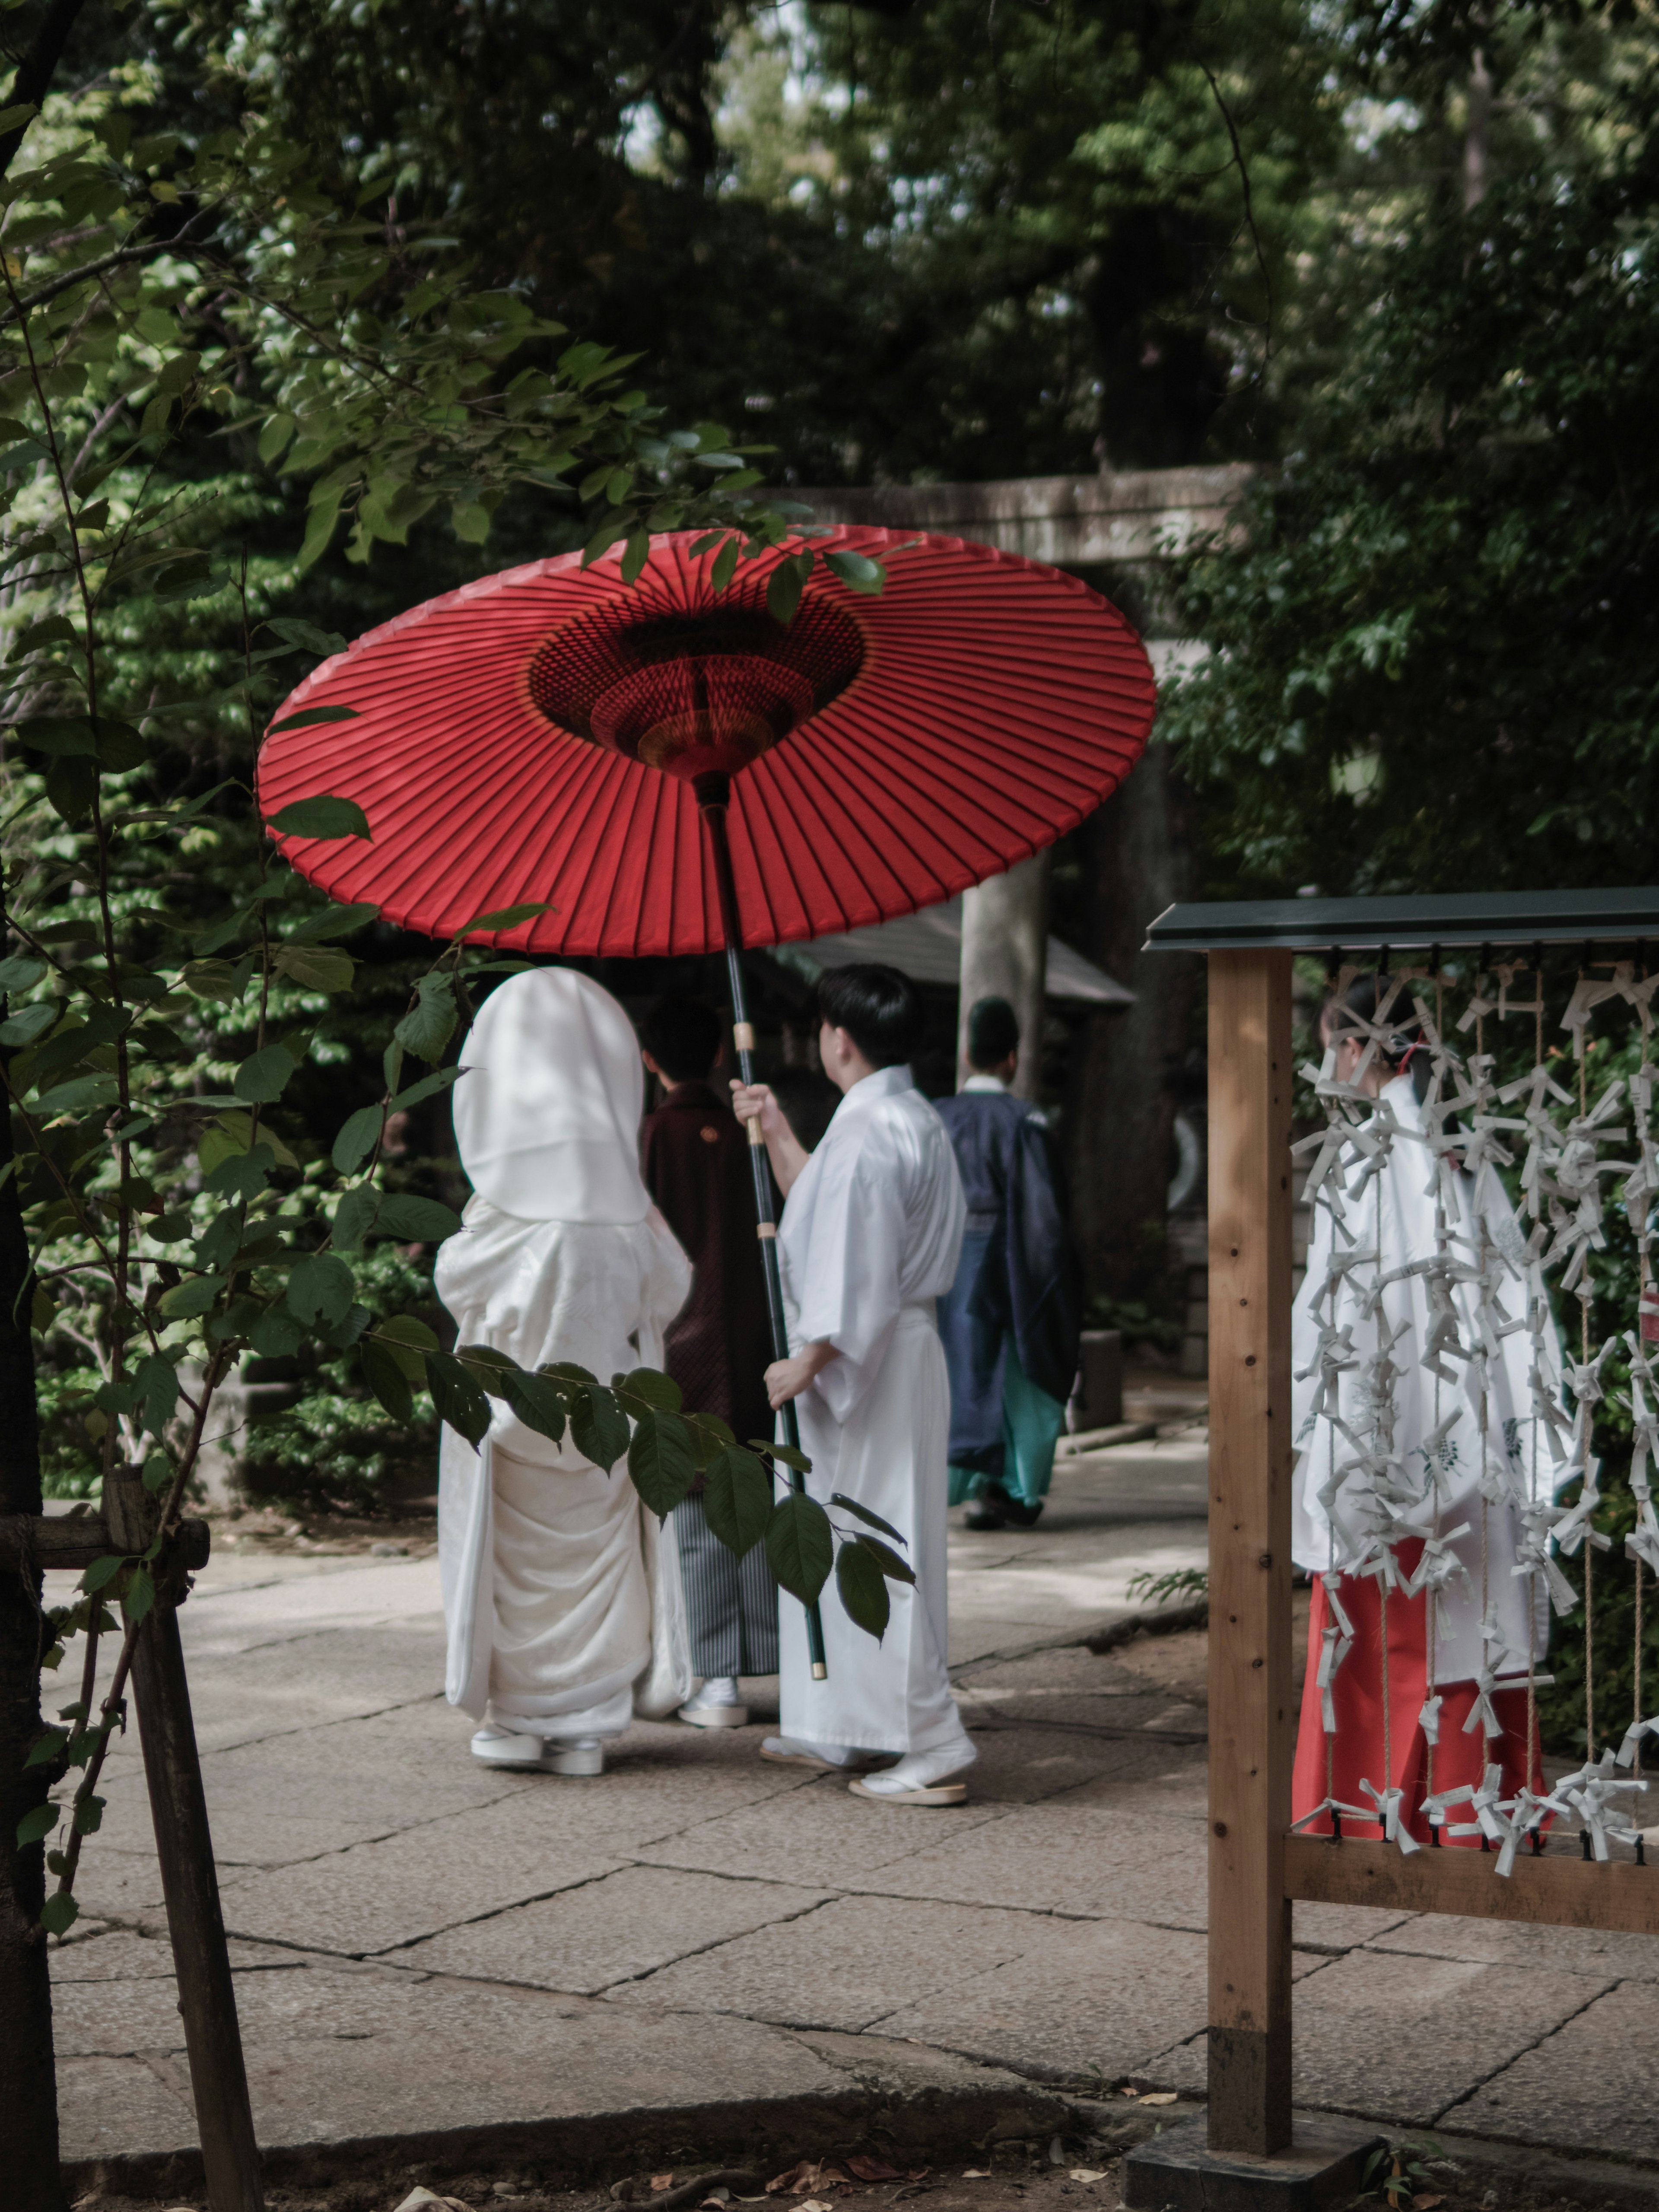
(870, 1239)
(561, 1594)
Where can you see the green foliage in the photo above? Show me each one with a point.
(1433, 641)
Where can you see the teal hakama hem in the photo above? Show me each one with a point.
(1032, 1425)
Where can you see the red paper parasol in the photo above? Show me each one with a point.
(892, 750)
(551, 734)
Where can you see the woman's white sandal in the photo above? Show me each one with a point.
(940, 1793)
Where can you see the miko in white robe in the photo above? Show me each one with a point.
(561, 1593)
(871, 1236)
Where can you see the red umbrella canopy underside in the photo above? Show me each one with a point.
(898, 747)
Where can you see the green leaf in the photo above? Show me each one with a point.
(353, 1217)
(537, 1402)
(426, 1088)
(59, 1913)
(333, 921)
(416, 1220)
(89, 1815)
(801, 1545)
(428, 1026)
(863, 1590)
(856, 571)
(787, 1455)
(598, 1427)
(385, 1377)
(47, 1747)
(656, 1388)
(737, 1499)
(276, 1334)
(79, 1097)
(265, 1075)
(726, 563)
(21, 972)
(273, 439)
(359, 1135)
(309, 717)
(243, 1175)
(234, 1133)
(40, 1820)
(157, 1384)
(506, 917)
(320, 1289)
(197, 1295)
(138, 1598)
(33, 1021)
(785, 584)
(887, 1560)
(58, 736)
(323, 816)
(102, 1573)
(305, 634)
(404, 1329)
(660, 1460)
(863, 1513)
(457, 1397)
(315, 967)
(71, 787)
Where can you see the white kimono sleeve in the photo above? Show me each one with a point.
(851, 1293)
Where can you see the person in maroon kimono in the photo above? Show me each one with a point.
(696, 1162)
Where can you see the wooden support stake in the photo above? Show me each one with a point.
(1251, 1722)
(177, 1804)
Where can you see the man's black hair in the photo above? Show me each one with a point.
(993, 1032)
(682, 1036)
(878, 1009)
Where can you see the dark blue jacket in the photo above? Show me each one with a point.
(1029, 1283)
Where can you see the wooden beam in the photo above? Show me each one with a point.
(1251, 1721)
(62, 1539)
(1549, 1893)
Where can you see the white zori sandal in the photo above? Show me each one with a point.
(535, 1754)
(716, 1704)
(920, 1779)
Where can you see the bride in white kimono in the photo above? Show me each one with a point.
(871, 1236)
(561, 1593)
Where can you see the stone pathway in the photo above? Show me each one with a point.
(426, 1946)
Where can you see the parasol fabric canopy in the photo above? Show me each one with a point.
(535, 737)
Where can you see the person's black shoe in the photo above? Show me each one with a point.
(1016, 1514)
(987, 1510)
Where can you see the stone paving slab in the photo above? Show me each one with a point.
(1509, 1943)
(376, 1896)
(1591, 2082)
(840, 1966)
(610, 1931)
(1407, 2039)
(812, 1835)
(1106, 1865)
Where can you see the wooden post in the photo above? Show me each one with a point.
(177, 1804)
(1251, 1722)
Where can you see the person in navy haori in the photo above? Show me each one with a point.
(1010, 1323)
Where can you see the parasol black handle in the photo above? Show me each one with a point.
(714, 794)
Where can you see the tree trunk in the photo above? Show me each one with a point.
(28, 2095)
(1120, 1110)
(1005, 954)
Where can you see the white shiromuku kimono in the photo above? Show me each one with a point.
(871, 1236)
(1403, 1189)
(561, 1593)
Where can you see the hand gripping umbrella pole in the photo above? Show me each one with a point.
(714, 794)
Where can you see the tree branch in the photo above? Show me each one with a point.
(36, 70)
